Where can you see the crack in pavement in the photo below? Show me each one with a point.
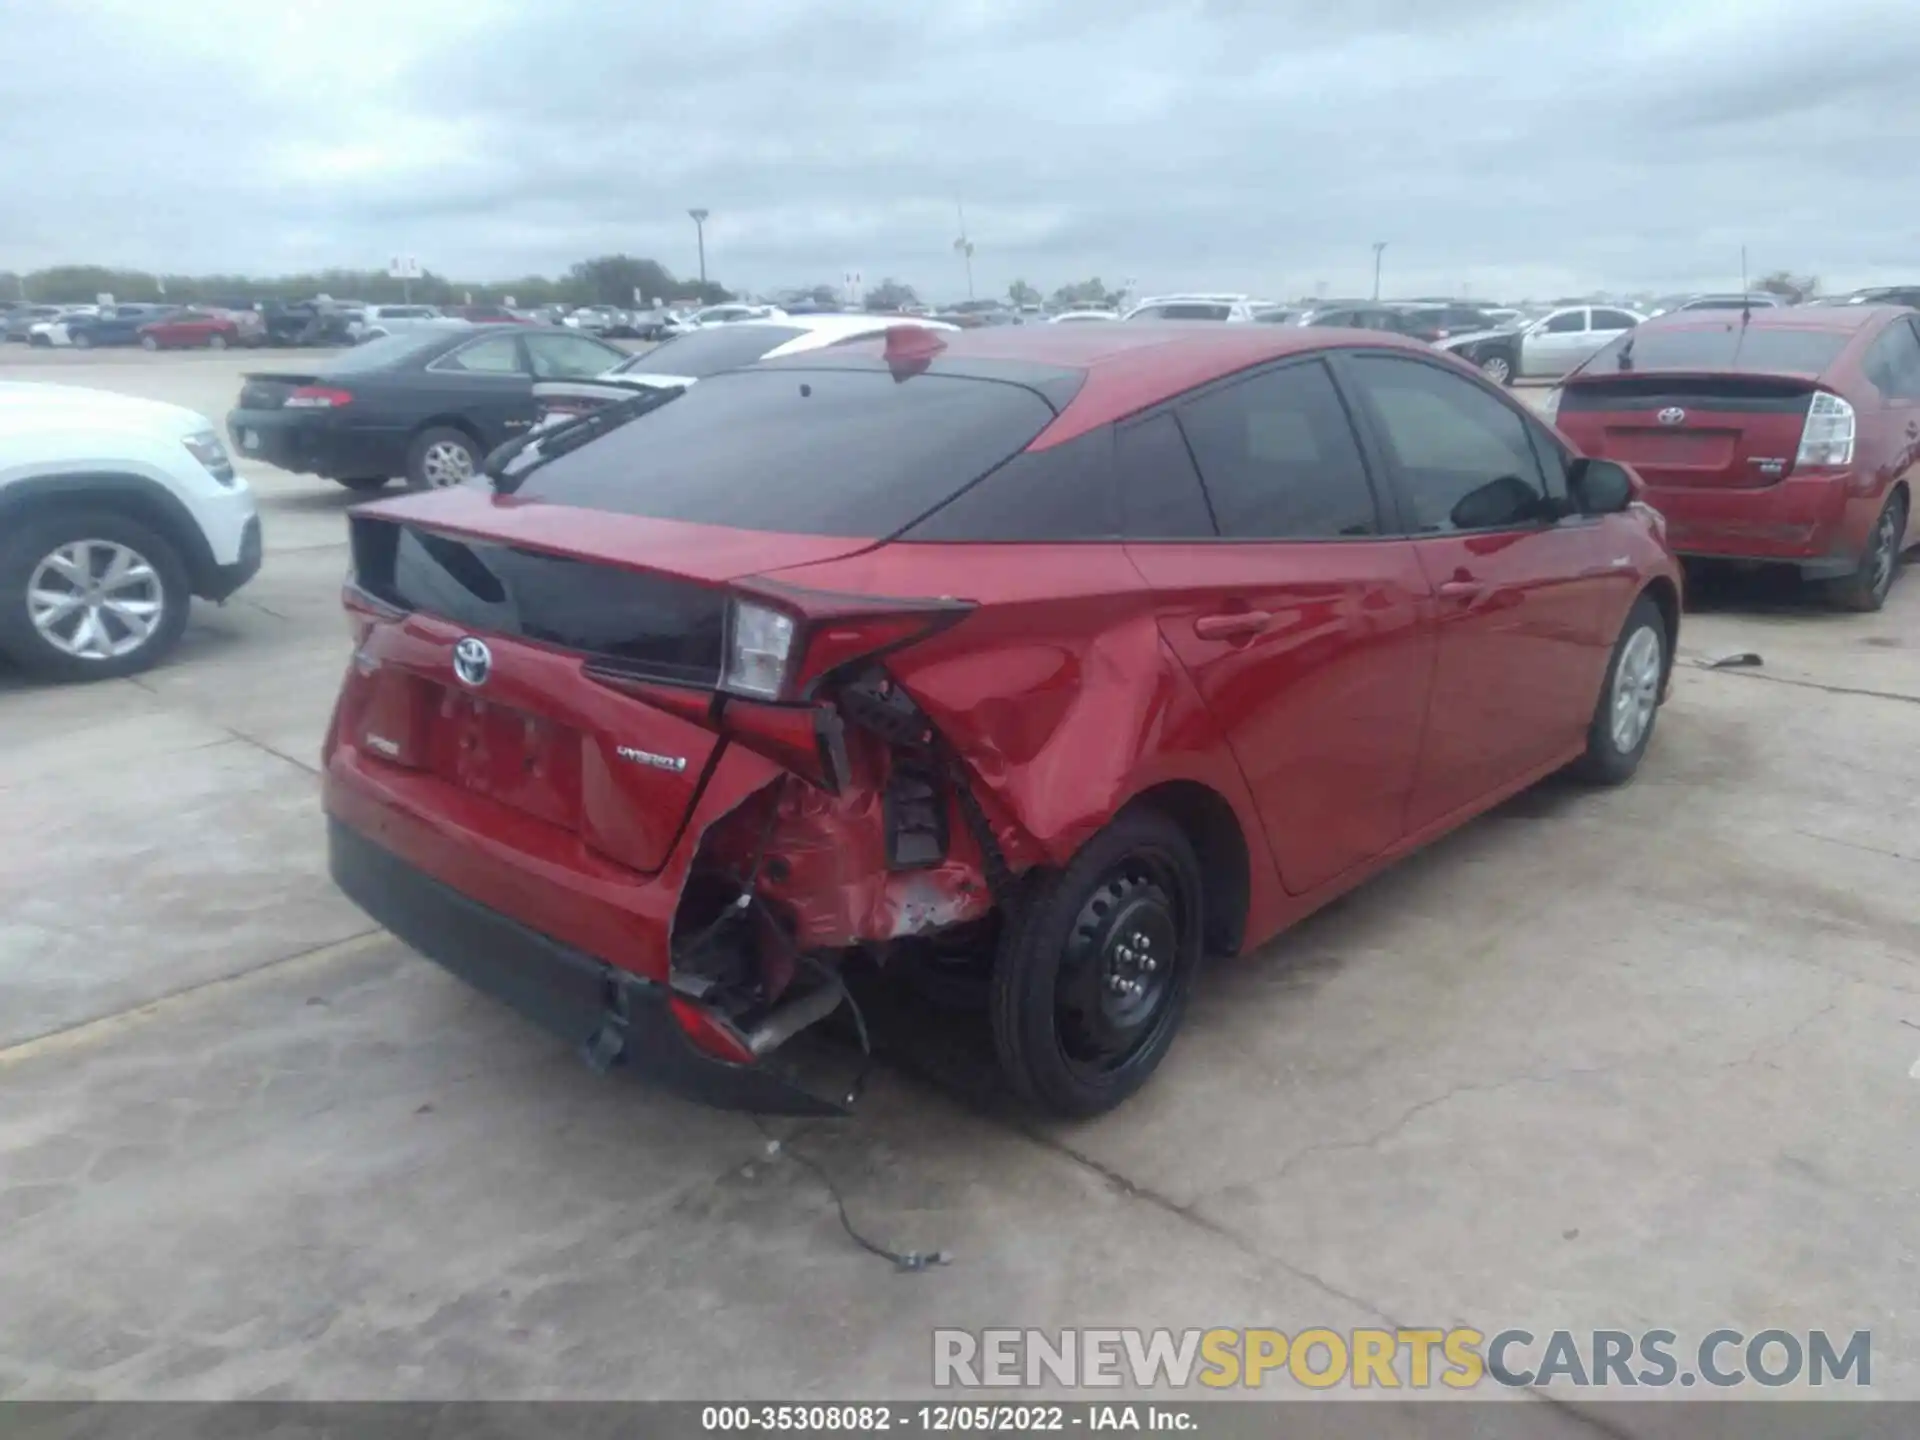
(221, 725)
(100, 1026)
(1748, 674)
(1628, 1065)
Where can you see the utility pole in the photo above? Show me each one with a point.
(699, 218)
(964, 246)
(1379, 246)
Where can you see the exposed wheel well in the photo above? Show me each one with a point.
(449, 422)
(1906, 500)
(129, 495)
(1214, 830)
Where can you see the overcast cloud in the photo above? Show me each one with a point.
(1519, 148)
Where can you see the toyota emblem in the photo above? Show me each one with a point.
(472, 661)
(1672, 415)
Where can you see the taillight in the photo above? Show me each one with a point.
(781, 651)
(1827, 438)
(318, 397)
(759, 647)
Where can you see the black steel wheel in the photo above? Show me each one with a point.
(1092, 979)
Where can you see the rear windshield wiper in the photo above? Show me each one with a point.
(509, 466)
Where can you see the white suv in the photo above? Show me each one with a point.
(114, 513)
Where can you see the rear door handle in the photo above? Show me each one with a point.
(1232, 625)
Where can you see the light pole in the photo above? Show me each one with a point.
(1378, 247)
(700, 229)
(964, 246)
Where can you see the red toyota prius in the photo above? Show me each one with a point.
(1787, 436)
(1066, 653)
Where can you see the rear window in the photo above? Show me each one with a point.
(850, 452)
(1755, 349)
(379, 354)
(708, 352)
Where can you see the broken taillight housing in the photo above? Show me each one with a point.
(759, 646)
(782, 641)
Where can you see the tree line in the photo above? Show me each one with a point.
(605, 280)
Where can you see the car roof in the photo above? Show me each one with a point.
(1779, 317)
(1124, 368)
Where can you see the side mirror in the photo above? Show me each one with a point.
(1600, 487)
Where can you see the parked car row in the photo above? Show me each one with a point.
(808, 643)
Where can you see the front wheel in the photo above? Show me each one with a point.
(90, 596)
(1629, 701)
(148, 342)
(1093, 974)
(1866, 589)
(83, 341)
(216, 342)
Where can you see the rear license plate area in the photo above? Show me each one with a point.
(517, 759)
(1673, 449)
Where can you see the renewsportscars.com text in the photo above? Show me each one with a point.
(1414, 1359)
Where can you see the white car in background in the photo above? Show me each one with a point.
(53, 330)
(377, 320)
(114, 514)
(1075, 317)
(1234, 308)
(731, 313)
(689, 358)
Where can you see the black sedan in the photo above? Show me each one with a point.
(426, 405)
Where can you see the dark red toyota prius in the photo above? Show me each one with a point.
(1788, 436)
(1069, 653)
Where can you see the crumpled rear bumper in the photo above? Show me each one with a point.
(608, 1014)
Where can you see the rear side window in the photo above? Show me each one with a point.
(1613, 320)
(1566, 324)
(1893, 363)
(701, 353)
(1160, 494)
(496, 355)
(1278, 457)
(814, 452)
(1064, 492)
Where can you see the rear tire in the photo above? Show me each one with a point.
(83, 341)
(216, 342)
(1866, 589)
(1629, 702)
(1093, 975)
(48, 649)
(1498, 368)
(434, 460)
(148, 342)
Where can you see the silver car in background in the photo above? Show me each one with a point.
(1546, 349)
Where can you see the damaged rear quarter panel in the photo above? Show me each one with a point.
(1057, 691)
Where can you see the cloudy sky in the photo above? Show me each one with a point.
(1519, 148)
